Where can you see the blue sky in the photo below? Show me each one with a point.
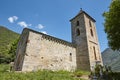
(52, 16)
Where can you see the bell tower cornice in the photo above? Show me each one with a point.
(82, 12)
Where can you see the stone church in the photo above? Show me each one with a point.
(40, 51)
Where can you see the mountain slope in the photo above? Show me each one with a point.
(111, 58)
(7, 37)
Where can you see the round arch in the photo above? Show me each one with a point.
(78, 32)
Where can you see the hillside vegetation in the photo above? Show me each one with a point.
(7, 37)
(111, 58)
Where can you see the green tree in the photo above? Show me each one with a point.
(112, 24)
(12, 51)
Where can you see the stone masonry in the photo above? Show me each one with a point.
(37, 51)
(45, 52)
(88, 52)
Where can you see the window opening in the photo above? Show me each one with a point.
(78, 32)
(94, 53)
(90, 23)
(70, 56)
(91, 32)
(77, 24)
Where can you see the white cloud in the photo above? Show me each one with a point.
(40, 26)
(29, 24)
(12, 19)
(44, 32)
(24, 24)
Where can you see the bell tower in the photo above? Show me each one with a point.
(84, 35)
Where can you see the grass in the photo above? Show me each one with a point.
(39, 75)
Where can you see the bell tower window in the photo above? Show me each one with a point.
(90, 23)
(91, 32)
(94, 53)
(77, 24)
(78, 32)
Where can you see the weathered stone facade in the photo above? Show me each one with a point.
(39, 51)
(85, 37)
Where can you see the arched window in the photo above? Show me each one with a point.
(77, 24)
(90, 23)
(94, 53)
(70, 56)
(91, 32)
(78, 32)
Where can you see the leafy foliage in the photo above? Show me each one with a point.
(7, 38)
(112, 24)
(104, 73)
(12, 51)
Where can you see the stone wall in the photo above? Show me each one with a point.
(20, 52)
(81, 42)
(93, 44)
(88, 52)
(39, 51)
(46, 52)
